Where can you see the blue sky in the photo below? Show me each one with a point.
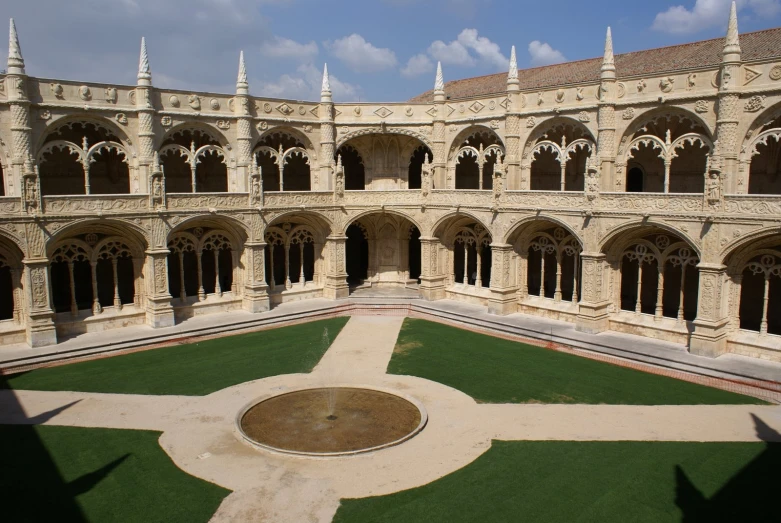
(377, 50)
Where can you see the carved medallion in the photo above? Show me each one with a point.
(174, 100)
(214, 104)
(775, 73)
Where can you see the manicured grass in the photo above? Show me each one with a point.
(493, 370)
(194, 369)
(604, 482)
(77, 474)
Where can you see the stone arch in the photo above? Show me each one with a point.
(544, 126)
(464, 134)
(290, 131)
(653, 271)
(12, 301)
(286, 160)
(512, 232)
(71, 119)
(320, 223)
(103, 226)
(209, 130)
(738, 251)
(399, 213)
(760, 154)
(609, 239)
(237, 230)
(85, 156)
(656, 113)
(441, 224)
(343, 139)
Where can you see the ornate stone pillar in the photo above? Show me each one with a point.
(606, 117)
(432, 278)
(594, 302)
(728, 110)
(336, 274)
(19, 105)
(40, 316)
(327, 136)
(159, 312)
(241, 109)
(146, 131)
(439, 162)
(503, 298)
(256, 297)
(711, 326)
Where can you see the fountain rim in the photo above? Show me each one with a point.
(276, 450)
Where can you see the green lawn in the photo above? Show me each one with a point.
(77, 474)
(194, 369)
(601, 482)
(493, 370)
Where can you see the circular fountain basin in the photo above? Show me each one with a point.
(331, 421)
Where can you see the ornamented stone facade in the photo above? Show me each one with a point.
(645, 205)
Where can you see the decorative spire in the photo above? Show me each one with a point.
(439, 83)
(15, 60)
(241, 82)
(144, 73)
(732, 42)
(326, 82)
(608, 71)
(513, 73)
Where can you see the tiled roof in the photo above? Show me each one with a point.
(759, 45)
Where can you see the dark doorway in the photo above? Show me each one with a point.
(634, 180)
(356, 255)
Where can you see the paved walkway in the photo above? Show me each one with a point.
(200, 434)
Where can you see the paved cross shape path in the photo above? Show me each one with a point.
(200, 434)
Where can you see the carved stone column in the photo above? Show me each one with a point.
(327, 136)
(606, 116)
(711, 326)
(504, 299)
(146, 131)
(256, 297)
(432, 277)
(728, 109)
(241, 109)
(336, 274)
(40, 316)
(159, 312)
(19, 104)
(439, 162)
(594, 301)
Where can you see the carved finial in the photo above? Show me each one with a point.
(339, 163)
(608, 61)
(156, 162)
(15, 60)
(732, 50)
(513, 73)
(241, 82)
(144, 73)
(326, 88)
(426, 160)
(439, 83)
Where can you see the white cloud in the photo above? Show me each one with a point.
(361, 56)
(468, 50)
(417, 65)
(485, 48)
(543, 54)
(280, 47)
(709, 13)
(306, 84)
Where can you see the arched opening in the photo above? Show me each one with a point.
(381, 251)
(414, 254)
(354, 170)
(115, 274)
(634, 180)
(559, 157)
(11, 295)
(201, 263)
(657, 274)
(671, 150)
(71, 264)
(475, 159)
(193, 161)
(760, 292)
(356, 255)
(292, 249)
(416, 166)
(282, 149)
(83, 158)
(765, 169)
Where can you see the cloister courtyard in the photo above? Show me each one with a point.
(516, 430)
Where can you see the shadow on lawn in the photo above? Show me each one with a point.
(750, 495)
(30, 481)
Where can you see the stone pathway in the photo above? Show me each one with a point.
(200, 434)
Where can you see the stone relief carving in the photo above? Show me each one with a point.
(666, 84)
(174, 101)
(194, 101)
(85, 93)
(641, 85)
(775, 73)
(57, 91)
(214, 104)
(691, 81)
(755, 103)
(121, 118)
(628, 113)
(701, 106)
(111, 95)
